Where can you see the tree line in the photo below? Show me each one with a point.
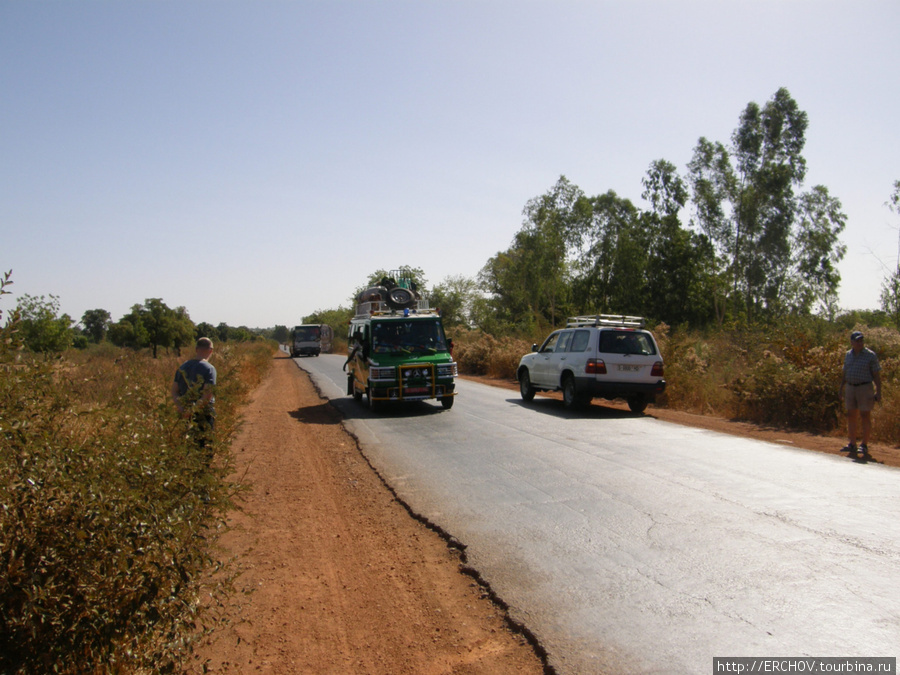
(149, 325)
(737, 238)
(757, 245)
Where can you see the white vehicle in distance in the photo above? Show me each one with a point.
(603, 356)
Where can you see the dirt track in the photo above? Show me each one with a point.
(340, 578)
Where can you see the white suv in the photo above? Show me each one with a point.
(607, 356)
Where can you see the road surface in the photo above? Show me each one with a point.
(626, 544)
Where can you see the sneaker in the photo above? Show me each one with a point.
(850, 447)
(864, 450)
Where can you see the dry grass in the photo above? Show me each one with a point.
(788, 378)
(108, 512)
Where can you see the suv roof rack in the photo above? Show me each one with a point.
(620, 320)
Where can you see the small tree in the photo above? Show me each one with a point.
(96, 324)
(10, 339)
(41, 328)
(890, 288)
(154, 325)
(129, 331)
(454, 296)
(281, 334)
(205, 329)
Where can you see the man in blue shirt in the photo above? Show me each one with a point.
(861, 388)
(193, 391)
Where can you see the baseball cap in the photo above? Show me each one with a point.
(856, 335)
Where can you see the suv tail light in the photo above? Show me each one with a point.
(598, 367)
(657, 370)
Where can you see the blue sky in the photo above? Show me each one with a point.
(254, 161)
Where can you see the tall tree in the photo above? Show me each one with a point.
(204, 329)
(182, 329)
(550, 223)
(530, 281)
(713, 188)
(610, 258)
(768, 145)
(816, 251)
(678, 266)
(764, 230)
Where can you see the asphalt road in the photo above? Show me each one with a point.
(627, 544)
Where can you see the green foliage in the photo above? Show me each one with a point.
(96, 324)
(455, 298)
(890, 289)
(678, 260)
(10, 338)
(609, 258)
(108, 513)
(281, 334)
(338, 319)
(776, 251)
(204, 329)
(533, 277)
(41, 328)
(154, 325)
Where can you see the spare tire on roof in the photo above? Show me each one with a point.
(401, 298)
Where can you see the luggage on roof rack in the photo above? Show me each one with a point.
(620, 320)
(393, 294)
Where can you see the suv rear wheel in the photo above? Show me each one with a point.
(637, 403)
(571, 398)
(525, 388)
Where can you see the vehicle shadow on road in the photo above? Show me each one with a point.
(323, 413)
(556, 408)
(352, 410)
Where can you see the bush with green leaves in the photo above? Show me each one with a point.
(41, 326)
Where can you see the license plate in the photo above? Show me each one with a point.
(416, 390)
(630, 369)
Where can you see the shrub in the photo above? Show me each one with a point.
(480, 353)
(108, 513)
(793, 384)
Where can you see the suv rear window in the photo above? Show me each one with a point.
(626, 342)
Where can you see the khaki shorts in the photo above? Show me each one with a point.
(860, 398)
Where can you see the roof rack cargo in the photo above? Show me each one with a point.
(394, 295)
(620, 320)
